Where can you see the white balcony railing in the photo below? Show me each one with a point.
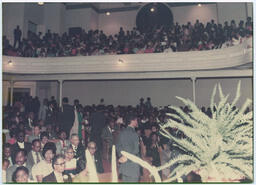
(177, 61)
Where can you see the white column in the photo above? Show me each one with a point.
(60, 95)
(11, 93)
(194, 88)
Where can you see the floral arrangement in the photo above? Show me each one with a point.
(218, 148)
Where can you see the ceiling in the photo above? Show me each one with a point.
(103, 7)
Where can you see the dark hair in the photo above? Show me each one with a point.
(130, 117)
(37, 125)
(152, 134)
(18, 151)
(7, 145)
(44, 134)
(55, 158)
(49, 146)
(60, 131)
(76, 101)
(109, 120)
(18, 131)
(194, 177)
(17, 170)
(65, 100)
(35, 140)
(13, 132)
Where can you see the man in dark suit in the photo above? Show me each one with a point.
(20, 156)
(97, 121)
(17, 36)
(78, 148)
(107, 138)
(81, 163)
(35, 156)
(66, 117)
(128, 141)
(20, 144)
(58, 165)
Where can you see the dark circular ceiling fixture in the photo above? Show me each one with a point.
(153, 15)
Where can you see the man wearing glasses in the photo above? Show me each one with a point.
(81, 163)
(58, 164)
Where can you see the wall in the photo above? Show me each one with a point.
(111, 24)
(249, 9)
(46, 89)
(162, 92)
(234, 11)
(78, 18)
(34, 13)
(6, 86)
(94, 23)
(128, 92)
(53, 19)
(204, 89)
(13, 15)
(191, 13)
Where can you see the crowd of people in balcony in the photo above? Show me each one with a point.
(189, 37)
(38, 137)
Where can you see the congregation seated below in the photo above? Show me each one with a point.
(45, 158)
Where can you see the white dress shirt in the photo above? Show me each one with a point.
(34, 156)
(21, 145)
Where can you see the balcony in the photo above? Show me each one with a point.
(157, 63)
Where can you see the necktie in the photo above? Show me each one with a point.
(75, 149)
(37, 158)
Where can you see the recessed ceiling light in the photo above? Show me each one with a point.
(107, 13)
(152, 9)
(199, 5)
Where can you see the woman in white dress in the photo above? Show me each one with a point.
(44, 167)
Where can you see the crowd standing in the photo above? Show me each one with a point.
(186, 37)
(46, 143)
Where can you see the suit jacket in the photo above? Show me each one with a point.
(59, 146)
(81, 163)
(67, 117)
(30, 159)
(129, 141)
(50, 116)
(97, 121)
(52, 178)
(107, 135)
(12, 168)
(80, 152)
(15, 147)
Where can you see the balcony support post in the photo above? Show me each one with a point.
(11, 93)
(60, 91)
(194, 88)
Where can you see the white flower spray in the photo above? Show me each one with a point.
(218, 148)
